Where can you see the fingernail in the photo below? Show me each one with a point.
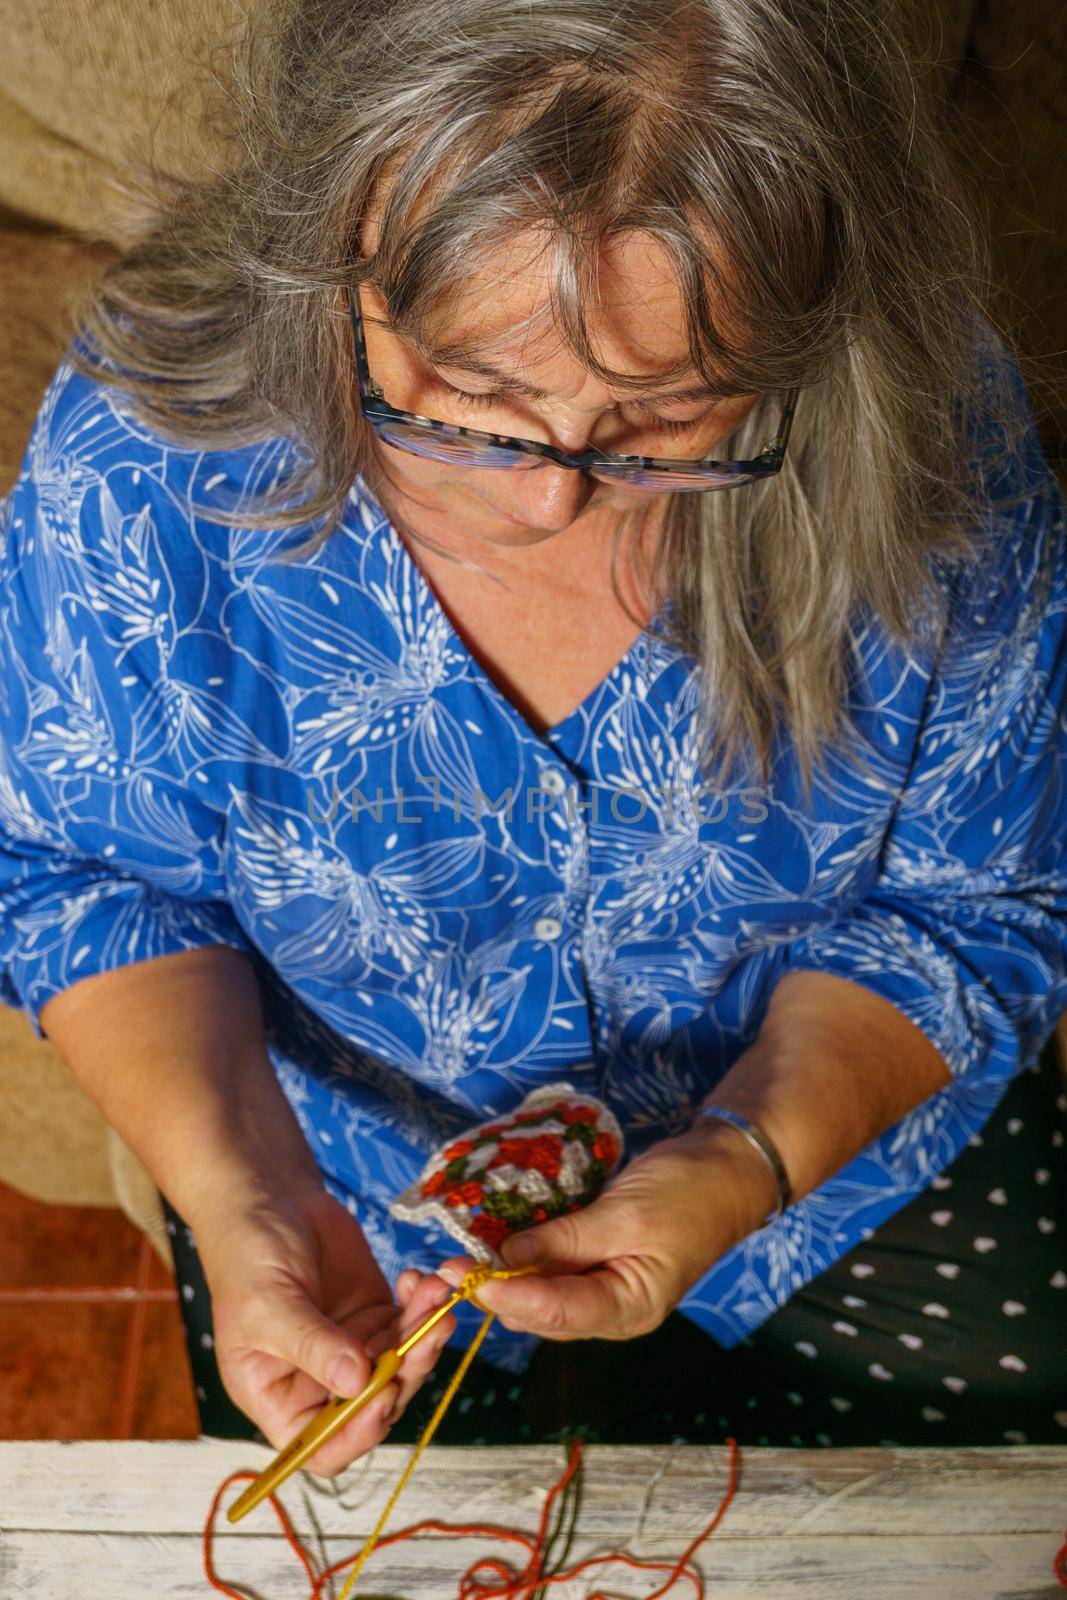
(451, 1275)
(345, 1377)
(519, 1251)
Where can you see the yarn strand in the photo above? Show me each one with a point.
(427, 1434)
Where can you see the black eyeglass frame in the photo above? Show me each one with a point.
(377, 410)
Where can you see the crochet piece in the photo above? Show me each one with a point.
(553, 1154)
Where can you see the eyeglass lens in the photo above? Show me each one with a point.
(483, 453)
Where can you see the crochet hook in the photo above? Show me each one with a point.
(336, 1412)
(333, 1416)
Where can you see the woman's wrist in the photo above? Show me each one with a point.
(733, 1185)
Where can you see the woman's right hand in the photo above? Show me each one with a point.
(301, 1309)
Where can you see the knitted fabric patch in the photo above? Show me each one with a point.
(553, 1153)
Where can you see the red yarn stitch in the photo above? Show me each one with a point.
(512, 1585)
(1059, 1564)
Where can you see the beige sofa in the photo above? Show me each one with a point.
(91, 89)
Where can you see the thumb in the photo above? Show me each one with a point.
(302, 1335)
(577, 1240)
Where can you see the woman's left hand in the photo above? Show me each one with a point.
(617, 1268)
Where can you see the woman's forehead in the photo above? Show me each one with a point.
(503, 309)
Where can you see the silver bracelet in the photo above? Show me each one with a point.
(759, 1141)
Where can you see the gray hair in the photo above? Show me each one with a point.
(794, 134)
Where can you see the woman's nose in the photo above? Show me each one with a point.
(549, 496)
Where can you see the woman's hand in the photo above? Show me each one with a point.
(301, 1310)
(616, 1269)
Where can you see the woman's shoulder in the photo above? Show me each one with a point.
(93, 462)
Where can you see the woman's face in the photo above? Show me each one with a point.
(540, 391)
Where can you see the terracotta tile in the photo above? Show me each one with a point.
(69, 1246)
(131, 1366)
(166, 1404)
(61, 1369)
(159, 1276)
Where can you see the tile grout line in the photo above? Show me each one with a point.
(131, 1364)
(49, 1294)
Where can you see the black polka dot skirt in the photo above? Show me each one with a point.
(948, 1326)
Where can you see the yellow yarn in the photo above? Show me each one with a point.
(467, 1291)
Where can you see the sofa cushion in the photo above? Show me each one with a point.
(103, 86)
(41, 275)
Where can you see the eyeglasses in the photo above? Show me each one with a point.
(470, 447)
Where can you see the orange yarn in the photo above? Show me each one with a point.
(509, 1584)
(513, 1585)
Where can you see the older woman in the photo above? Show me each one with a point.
(353, 786)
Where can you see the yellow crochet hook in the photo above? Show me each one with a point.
(335, 1413)
(331, 1417)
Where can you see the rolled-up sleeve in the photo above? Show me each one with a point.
(108, 854)
(964, 927)
(965, 930)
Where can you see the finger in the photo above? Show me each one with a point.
(296, 1331)
(599, 1304)
(430, 1293)
(599, 1232)
(420, 1362)
(366, 1429)
(406, 1285)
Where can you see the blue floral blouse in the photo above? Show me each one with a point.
(201, 745)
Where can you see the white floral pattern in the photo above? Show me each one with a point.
(446, 909)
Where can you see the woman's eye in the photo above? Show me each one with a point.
(496, 397)
(674, 428)
(493, 398)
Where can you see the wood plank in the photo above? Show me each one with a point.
(663, 1492)
(37, 1566)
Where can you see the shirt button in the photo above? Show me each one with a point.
(554, 781)
(548, 928)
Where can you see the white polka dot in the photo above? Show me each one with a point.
(1015, 1124)
(910, 1340)
(845, 1327)
(983, 1245)
(1045, 1225)
(947, 1269)
(957, 1385)
(1013, 1308)
(188, 1291)
(839, 1402)
(932, 1414)
(1013, 1436)
(976, 1142)
(1060, 1417)
(1013, 1364)
(1057, 1140)
(794, 1398)
(941, 1219)
(207, 1341)
(1061, 1102)
(853, 1301)
(805, 1348)
(941, 1182)
(201, 1392)
(933, 1309)
(823, 1438)
(1058, 1279)
(860, 1269)
(877, 1370)
(997, 1197)
(1042, 1175)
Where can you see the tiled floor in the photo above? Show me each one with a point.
(91, 1340)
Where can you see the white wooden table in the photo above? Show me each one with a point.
(114, 1520)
